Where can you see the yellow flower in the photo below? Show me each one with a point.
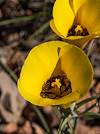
(55, 73)
(77, 21)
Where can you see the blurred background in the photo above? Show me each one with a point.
(23, 25)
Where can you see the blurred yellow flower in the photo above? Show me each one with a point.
(55, 73)
(77, 21)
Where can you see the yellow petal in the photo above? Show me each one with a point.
(77, 4)
(53, 27)
(80, 40)
(40, 64)
(75, 40)
(89, 16)
(78, 68)
(63, 16)
(38, 67)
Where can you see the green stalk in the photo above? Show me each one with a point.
(86, 101)
(8, 71)
(42, 119)
(38, 31)
(91, 115)
(19, 19)
(88, 109)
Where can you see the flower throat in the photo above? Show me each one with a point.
(56, 87)
(77, 30)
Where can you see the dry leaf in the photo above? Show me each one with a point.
(11, 103)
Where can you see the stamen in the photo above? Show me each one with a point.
(56, 87)
(78, 30)
(56, 83)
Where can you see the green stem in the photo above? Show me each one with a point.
(8, 71)
(42, 119)
(57, 112)
(74, 124)
(67, 124)
(91, 46)
(91, 115)
(51, 37)
(62, 125)
(88, 109)
(38, 31)
(87, 100)
(19, 19)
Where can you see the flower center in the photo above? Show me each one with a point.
(78, 30)
(56, 87)
(56, 83)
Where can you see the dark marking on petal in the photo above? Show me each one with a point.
(55, 92)
(58, 50)
(72, 31)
